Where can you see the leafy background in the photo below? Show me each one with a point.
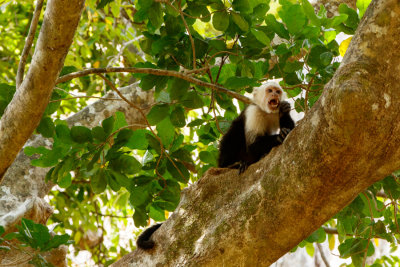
(110, 177)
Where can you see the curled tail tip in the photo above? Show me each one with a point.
(144, 241)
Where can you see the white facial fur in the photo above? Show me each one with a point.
(261, 96)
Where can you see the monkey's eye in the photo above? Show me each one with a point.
(278, 92)
(269, 90)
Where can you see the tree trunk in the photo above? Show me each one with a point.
(24, 112)
(349, 140)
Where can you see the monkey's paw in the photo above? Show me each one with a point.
(243, 165)
(284, 107)
(282, 135)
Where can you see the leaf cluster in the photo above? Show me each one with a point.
(36, 236)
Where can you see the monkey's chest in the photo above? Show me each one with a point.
(261, 123)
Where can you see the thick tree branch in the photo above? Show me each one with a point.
(24, 112)
(349, 140)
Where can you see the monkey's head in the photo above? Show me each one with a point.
(268, 97)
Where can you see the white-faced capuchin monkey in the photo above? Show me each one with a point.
(251, 136)
(255, 132)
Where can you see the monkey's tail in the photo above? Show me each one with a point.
(144, 241)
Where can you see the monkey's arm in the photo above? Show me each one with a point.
(285, 120)
(262, 145)
(233, 144)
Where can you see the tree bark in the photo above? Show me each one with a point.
(349, 140)
(24, 112)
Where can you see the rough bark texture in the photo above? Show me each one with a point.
(23, 187)
(349, 140)
(24, 112)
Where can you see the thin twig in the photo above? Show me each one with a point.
(28, 43)
(77, 97)
(156, 72)
(220, 52)
(321, 252)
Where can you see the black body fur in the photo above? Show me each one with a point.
(144, 241)
(235, 153)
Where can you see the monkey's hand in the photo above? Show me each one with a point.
(282, 135)
(243, 165)
(284, 107)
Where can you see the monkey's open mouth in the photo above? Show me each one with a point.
(273, 103)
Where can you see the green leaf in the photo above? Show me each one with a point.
(293, 66)
(139, 196)
(239, 82)
(108, 125)
(310, 13)
(63, 133)
(65, 181)
(260, 10)
(243, 6)
(156, 15)
(362, 6)
(178, 117)
(192, 100)
(329, 36)
(156, 213)
(178, 88)
(112, 181)
(57, 241)
(158, 113)
(261, 37)
(81, 134)
(220, 20)
(166, 131)
(335, 21)
(138, 140)
(99, 134)
(148, 82)
(6, 95)
(353, 20)
(177, 143)
(294, 18)
(277, 27)
(314, 59)
(153, 142)
(103, 3)
(179, 172)
(318, 236)
(30, 150)
(208, 157)
(352, 246)
(140, 218)
(98, 182)
(326, 58)
(120, 121)
(126, 164)
(121, 179)
(46, 127)
(240, 21)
